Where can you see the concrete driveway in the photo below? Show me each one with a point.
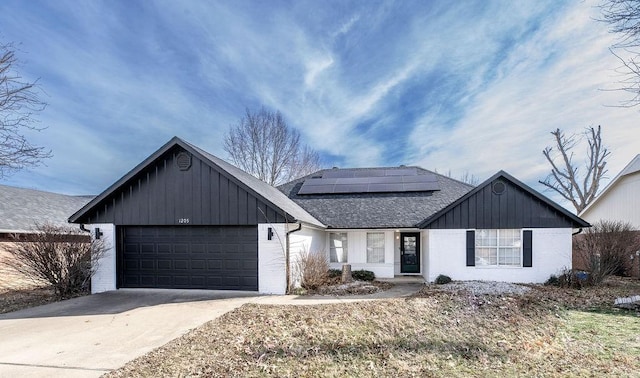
(89, 336)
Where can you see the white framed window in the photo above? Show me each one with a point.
(338, 247)
(375, 247)
(500, 247)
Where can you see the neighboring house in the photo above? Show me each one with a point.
(620, 199)
(184, 218)
(22, 209)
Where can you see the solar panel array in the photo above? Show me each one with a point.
(342, 181)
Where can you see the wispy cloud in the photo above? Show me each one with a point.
(472, 86)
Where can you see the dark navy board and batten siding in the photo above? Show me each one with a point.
(184, 229)
(515, 208)
(162, 194)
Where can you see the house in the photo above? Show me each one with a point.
(620, 199)
(184, 218)
(22, 209)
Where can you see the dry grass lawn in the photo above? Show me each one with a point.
(547, 332)
(17, 291)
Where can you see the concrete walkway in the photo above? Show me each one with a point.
(89, 336)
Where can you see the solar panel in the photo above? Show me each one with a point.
(370, 181)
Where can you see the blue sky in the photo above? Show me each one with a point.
(463, 86)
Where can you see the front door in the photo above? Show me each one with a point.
(410, 252)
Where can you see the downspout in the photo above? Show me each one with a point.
(84, 229)
(576, 233)
(288, 256)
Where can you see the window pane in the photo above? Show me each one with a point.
(509, 256)
(486, 256)
(338, 247)
(375, 247)
(486, 238)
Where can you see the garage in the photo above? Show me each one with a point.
(188, 257)
(185, 219)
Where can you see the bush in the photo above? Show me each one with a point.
(442, 279)
(313, 268)
(59, 256)
(363, 275)
(570, 278)
(334, 273)
(605, 249)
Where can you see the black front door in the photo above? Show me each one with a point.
(410, 252)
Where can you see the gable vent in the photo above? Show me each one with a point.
(498, 187)
(183, 161)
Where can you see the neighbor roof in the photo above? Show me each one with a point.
(21, 209)
(376, 210)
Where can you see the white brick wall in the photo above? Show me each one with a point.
(447, 255)
(104, 279)
(271, 259)
(357, 252)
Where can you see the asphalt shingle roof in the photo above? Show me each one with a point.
(376, 210)
(21, 209)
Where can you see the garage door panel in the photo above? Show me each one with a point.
(164, 248)
(190, 257)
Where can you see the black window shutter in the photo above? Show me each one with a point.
(471, 248)
(527, 249)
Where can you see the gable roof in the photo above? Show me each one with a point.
(632, 167)
(268, 193)
(376, 210)
(21, 209)
(554, 211)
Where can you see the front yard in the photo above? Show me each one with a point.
(547, 331)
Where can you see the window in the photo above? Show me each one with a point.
(338, 247)
(375, 247)
(498, 248)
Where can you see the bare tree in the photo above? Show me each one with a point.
(262, 144)
(623, 17)
(466, 177)
(566, 177)
(18, 103)
(59, 256)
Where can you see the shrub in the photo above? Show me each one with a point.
(605, 249)
(60, 256)
(442, 279)
(313, 268)
(570, 278)
(363, 275)
(334, 273)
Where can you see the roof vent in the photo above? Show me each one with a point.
(498, 187)
(183, 161)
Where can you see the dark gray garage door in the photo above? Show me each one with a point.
(221, 258)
